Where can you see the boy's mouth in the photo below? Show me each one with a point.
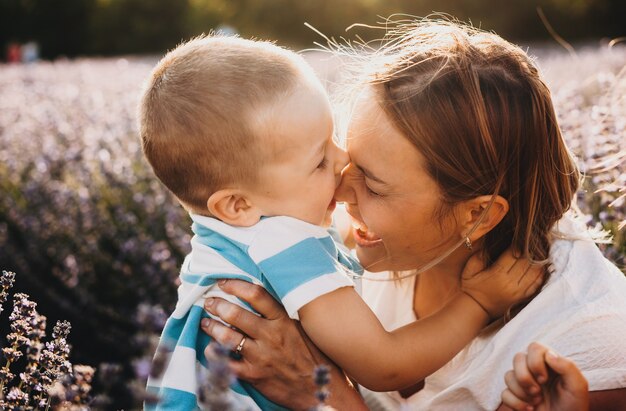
(362, 236)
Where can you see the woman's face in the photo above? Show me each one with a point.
(390, 196)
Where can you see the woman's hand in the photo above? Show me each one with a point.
(277, 357)
(506, 282)
(541, 380)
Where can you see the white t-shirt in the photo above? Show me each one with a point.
(580, 313)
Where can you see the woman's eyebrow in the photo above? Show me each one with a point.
(369, 174)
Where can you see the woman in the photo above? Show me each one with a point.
(451, 127)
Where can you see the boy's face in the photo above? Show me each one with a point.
(301, 175)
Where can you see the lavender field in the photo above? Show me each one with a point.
(95, 239)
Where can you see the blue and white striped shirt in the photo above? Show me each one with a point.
(294, 261)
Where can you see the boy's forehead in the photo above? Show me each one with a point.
(300, 121)
(282, 146)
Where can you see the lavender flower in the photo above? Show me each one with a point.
(46, 366)
(71, 392)
(6, 282)
(215, 381)
(22, 320)
(54, 357)
(321, 378)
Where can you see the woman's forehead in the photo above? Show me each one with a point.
(375, 144)
(370, 128)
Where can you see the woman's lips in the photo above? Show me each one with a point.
(362, 236)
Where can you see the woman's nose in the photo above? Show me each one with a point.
(341, 161)
(344, 193)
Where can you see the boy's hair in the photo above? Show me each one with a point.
(201, 110)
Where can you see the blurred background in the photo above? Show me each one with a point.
(107, 27)
(94, 238)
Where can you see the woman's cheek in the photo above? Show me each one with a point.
(371, 212)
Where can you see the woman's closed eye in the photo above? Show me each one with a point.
(371, 192)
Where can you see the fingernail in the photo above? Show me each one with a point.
(205, 322)
(529, 408)
(552, 355)
(541, 379)
(534, 390)
(209, 302)
(221, 282)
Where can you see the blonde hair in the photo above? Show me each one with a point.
(199, 113)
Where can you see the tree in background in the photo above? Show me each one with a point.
(106, 27)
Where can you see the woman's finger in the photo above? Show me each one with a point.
(241, 368)
(226, 336)
(234, 315)
(256, 296)
(523, 375)
(514, 386)
(510, 400)
(244, 370)
(535, 360)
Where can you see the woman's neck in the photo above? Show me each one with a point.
(435, 287)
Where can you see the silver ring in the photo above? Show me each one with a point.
(240, 346)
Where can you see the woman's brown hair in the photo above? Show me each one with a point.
(476, 108)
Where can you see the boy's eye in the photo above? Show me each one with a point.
(322, 165)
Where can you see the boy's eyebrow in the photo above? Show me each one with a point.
(321, 149)
(369, 174)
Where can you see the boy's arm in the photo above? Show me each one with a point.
(506, 282)
(345, 329)
(343, 326)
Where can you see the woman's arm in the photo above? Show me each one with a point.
(277, 357)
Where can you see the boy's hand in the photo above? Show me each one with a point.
(541, 380)
(508, 281)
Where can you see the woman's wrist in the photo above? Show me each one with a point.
(343, 394)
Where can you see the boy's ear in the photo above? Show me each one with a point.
(478, 213)
(233, 207)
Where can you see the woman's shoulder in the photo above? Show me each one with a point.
(577, 261)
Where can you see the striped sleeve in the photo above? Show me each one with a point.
(299, 260)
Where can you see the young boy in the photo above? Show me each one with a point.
(241, 133)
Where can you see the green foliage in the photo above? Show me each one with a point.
(75, 27)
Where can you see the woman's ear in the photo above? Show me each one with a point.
(234, 207)
(481, 214)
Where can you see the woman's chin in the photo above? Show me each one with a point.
(372, 259)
